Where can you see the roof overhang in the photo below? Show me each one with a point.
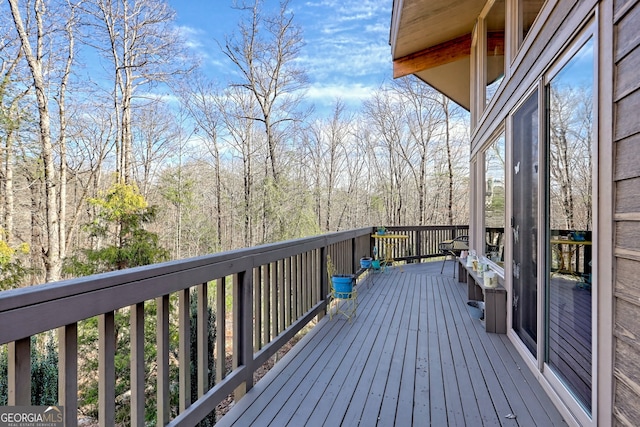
(432, 40)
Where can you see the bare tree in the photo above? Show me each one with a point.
(61, 98)
(138, 39)
(202, 101)
(10, 118)
(36, 42)
(570, 158)
(329, 154)
(423, 113)
(91, 139)
(265, 52)
(236, 108)
(385, 115)
(447, 139)
(154, 131)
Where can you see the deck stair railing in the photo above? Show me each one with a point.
(263, 296)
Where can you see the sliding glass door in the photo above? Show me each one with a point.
(524, 222)
(570, 222)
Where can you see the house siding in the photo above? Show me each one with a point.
(626, 135)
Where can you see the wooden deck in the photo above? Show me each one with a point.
(415, 354)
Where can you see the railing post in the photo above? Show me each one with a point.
(202, 327)
(184, 350)
(137, 364)
(324, 279)
(19, 372)
(106, 369)
(418, 246)
(243, 329)
(353, 255)
(221, 330)
(68, 372)
(162, 340)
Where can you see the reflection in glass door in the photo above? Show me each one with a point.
(569, 234)
(524, 231)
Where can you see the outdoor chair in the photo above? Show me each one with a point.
(453, 248)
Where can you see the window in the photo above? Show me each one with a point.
(494, 200)
(494, 23)
(527, 11)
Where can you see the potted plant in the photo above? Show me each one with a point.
(365, 262)
(342, 285)
(381, 231)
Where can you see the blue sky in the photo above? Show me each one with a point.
(347, 51)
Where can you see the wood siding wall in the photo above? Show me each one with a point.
(626, 128)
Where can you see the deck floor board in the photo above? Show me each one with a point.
(414, 355)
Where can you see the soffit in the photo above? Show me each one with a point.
(418, 25)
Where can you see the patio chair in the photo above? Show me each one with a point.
(453, 248)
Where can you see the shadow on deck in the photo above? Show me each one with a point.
(415, 354)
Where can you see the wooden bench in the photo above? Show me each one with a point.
(495, 298)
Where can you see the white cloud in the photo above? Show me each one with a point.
(352, 58)
(352, 94)
(345, 39)
(191, 35)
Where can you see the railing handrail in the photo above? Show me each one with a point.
(196, 270)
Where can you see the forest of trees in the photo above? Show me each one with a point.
(117, 149)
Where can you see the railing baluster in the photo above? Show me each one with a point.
(236, 310)
(203, 339)
(274, 299)
(298, 285)
(19, 372)
(257, 307)
(162, 341)
(288, 292)
(315, 290)
(282, 290)
(221, 330)
(106, 369)
(266, 303)
(68, 372)
(184, 349)
(324, 276)
(136, 316)
(306, 285)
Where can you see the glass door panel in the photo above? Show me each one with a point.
(524, 231)
(569, 233)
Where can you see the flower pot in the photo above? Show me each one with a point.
(342, 285)
(375, 264)
(365, 262)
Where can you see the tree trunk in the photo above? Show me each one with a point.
(8, 189)
(445, 103)
(52, 260)
(62, 138)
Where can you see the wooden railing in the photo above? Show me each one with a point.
(276, 290)
(423, 240)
